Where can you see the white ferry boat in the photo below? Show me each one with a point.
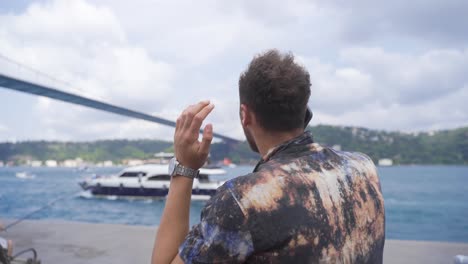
(150, 180)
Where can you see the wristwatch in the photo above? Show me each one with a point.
(177, 169)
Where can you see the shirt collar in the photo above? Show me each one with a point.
(304, 139)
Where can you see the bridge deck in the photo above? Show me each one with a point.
(24, 86)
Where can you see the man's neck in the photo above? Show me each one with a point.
(267, 140)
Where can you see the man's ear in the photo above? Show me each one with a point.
(245, 115)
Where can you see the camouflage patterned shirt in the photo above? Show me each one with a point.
(304, 203)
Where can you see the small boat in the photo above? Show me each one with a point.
(25, 175)
(149, 181)
(82, 169)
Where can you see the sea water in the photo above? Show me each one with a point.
(421, 202)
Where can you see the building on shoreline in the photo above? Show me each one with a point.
(51, 163)
(72, 163)
(35, 163)
(385, 162)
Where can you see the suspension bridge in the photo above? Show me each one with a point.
(18, 77)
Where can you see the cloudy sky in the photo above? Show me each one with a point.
(392, 65)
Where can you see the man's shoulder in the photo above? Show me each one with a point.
(360, 157)
(321, 154)
(245, 180)
(363, 160)
(353, 158)
(242, 184)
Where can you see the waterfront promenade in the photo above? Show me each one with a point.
(86, 243)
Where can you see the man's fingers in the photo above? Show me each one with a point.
(178, 123)
(192, 111)
(187, 117)
(198, 118)
(198, 107)
(206, 140)
(182, 120)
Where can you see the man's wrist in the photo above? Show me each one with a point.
(177, 168)
(188, 163)
(177, 177)
(186, 171)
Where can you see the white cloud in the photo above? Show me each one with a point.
(66, 22)
(85, 45)
(433, 22)
(445, 112)
(335, 89)
(385, 90)
(410, 79)
(3, 128)
(158, 57)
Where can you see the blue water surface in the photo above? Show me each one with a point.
(421, 202)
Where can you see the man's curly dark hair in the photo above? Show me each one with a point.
(277, 89)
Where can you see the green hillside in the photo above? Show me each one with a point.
(101, 150)
(441, 147)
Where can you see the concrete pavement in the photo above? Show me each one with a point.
(85, 243)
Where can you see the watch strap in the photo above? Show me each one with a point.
(186, 172)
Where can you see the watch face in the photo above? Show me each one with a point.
(172, 165)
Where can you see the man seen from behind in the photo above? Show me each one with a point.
(303, 202)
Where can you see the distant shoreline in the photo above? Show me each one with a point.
(435, 147)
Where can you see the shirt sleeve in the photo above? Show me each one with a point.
(222, 235)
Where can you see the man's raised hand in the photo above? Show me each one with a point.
(188, 150)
